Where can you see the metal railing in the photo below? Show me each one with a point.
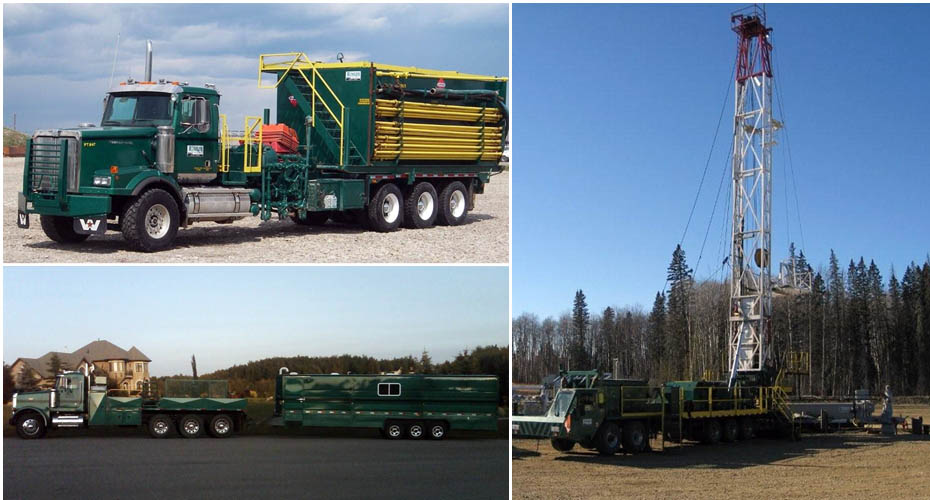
(251, 138)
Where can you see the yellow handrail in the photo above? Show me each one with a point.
(251, 123)
(224, 145)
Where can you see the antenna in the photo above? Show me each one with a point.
(115, 56)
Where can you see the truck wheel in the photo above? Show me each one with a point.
(160, 426)
(421, 206)
(393, 430)
(730, 430)
(634, 437)
(562, 445)
(190, 426)
(711, 434)
(312, 219)
(150, 222)
(385, 211)
(437, 430)
(30, 425)
(60, 229)
(220, 426)
(608, 439)
(747, 429)
(453, 204)
(415, 430)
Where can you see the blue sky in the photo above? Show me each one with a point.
(57, 58)
(615, 110)
(231, 315)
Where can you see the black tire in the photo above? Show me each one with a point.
(61, 229)
(421, 206)
(386, 209)
(393, 430)
(221, 426)
(190, 426)
(30, 425)
(730, 430)
(635, 439)
(416, 430)
(453, 204)
(143, 221)
(712, 432)
(747, 429)
(437, 430)
(160, 426)
(312, 219)
(608, 439)
(563, 445)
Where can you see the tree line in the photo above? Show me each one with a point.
(860, 331)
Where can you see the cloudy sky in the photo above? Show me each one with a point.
(55, 71)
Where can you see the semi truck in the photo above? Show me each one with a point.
(609, 415)
(400, 406)
(375, 144)
(81, 400)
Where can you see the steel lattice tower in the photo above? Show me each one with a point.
(750, 257)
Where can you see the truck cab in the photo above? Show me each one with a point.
(65, 405)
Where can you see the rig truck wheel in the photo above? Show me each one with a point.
(747, 429)
(730, 430)
(312, 219)
(151, 221)
(634, 437)
(453, 204)
(393, 430)
(437, 430)
(220, 426)
(421, 207)
(60, 229)
(190, 426)
(608, 439)
(160, 426)
(386, 209)
(562, 445)
(416, 430)
(712, 432)
(30, 425)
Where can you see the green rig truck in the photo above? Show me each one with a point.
(80, 400)
(608, 415)
(362, 142)
(400, 406)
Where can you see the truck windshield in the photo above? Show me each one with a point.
(137, 110)
(562, 402)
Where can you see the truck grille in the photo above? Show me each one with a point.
(44, 160)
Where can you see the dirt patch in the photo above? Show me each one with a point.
(850, 464)
(484, 238)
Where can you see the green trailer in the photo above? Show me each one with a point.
(80, 400)
(360, 142)
(411, 406)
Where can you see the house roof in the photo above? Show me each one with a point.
(98, 350)
(136, 355)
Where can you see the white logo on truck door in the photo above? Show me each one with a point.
(353, 76)
(194, 150)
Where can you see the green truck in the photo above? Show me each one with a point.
(361, 142)
(80, 400)
(607, 415)
(400, 406)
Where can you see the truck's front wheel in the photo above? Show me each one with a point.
(562, 445)
(151, 221)
(30, 426)
(61, 229)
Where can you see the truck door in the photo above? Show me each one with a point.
(70, 392)
(195, 150)
(589, 411)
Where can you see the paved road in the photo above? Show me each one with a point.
(254, 467)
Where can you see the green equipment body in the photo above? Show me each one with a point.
(609, 415)
(411, 406)
(363, 142)
(79, 400)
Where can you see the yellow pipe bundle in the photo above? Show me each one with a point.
(391, 109)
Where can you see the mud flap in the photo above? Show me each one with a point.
(90, 225)
(22, 218)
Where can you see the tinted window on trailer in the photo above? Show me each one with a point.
(389, 389)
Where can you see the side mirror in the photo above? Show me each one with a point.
(202, 116)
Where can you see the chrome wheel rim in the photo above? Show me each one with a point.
(416, 431)
(160, 427)
(612, 440)
(438, 431)
(157, 221)
(394, 430)
(425, 206)
(390, 208)
(30, 426)
(221, 426)
(191, 427)
(457, 203)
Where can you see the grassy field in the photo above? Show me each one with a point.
(849, 464)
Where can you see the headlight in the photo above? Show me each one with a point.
(102, 181)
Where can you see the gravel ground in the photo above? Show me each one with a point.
(484, 238)
(849, 464)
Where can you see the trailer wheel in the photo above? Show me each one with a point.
(562, 445)
(386, 209)
(453, 204)
(415, 430)
(634, 437)
(60, 229)
(312, 219)
(711, 434)
(421, 207)
(30, 425)
(220, 426)
(150, 222)
(393, 430)
(437, 430)
(730, 430)
(747, 429)
(190, 426)
(160, 426)
(608, 439)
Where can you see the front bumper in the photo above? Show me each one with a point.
(543, 427)
(73, 205)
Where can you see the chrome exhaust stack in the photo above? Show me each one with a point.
(148, 60)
